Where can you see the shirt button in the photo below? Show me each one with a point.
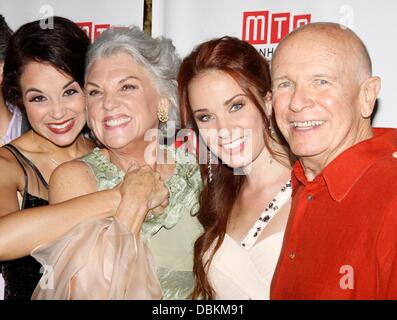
(292, 255)
(309, 197)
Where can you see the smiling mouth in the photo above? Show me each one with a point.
(60, 126)
(307, 124)
(117, 122)
(236, 144)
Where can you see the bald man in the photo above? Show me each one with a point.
(341, 237)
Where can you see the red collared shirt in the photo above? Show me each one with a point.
(341, 237)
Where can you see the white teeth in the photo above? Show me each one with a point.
(117, 122)
(307, 124)
(234, 144)
(60, 126)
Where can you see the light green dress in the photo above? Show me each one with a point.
(101, 259)
(170, 236)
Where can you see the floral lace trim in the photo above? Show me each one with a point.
(184, 186)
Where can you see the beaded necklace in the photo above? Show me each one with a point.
(267, 214)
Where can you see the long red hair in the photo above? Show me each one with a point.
(251, 71)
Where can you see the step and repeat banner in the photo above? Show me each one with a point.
(94, 16)
(265, 23)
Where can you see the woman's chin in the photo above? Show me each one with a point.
(239, 164)
(115, 143)
(62, 141)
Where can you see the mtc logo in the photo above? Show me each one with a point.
(258, 26)
(93, 31)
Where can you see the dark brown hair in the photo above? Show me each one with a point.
(63, 46)
(5, 35)
(251, 71)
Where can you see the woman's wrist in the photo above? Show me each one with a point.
(131, 214)
(111, 199)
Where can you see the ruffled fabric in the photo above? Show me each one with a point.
(107, 174)
(184, 188)
(98, 259)
(82, 254)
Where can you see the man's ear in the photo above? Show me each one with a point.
(368, 95)
(268, 103)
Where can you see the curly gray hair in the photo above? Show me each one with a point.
(156, 55)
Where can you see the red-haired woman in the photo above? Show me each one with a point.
(225, 95)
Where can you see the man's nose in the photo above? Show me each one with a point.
(301, 99)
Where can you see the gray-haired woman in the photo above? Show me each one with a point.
(131, 89)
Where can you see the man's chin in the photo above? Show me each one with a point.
(307, 152)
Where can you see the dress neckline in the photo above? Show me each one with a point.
(256, 244)
(267, 215)
(184, 183)
(111, 166)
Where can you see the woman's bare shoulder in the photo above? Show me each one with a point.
(71, 179)
(10, 169)
(72, 170)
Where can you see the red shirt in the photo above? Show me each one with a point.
(341, 237)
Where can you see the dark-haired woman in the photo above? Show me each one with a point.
(225, 93)
(43, 76)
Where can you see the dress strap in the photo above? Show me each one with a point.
(19, 156)
(267, 215)
(12, 149)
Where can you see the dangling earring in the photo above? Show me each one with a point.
(271, 128)
(162, 114)
(162, 111)
(272, 137)
(209, 166)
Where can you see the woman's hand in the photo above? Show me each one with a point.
(142, 191)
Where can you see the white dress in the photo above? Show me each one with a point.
(242, 271)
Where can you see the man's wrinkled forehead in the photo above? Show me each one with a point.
(324, 39)
(311, 41)
(308, 56)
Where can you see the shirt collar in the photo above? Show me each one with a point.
(10, 107)
(346, 169)
(15, 124)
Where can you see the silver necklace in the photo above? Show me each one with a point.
(57, 163)
(54, 161)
